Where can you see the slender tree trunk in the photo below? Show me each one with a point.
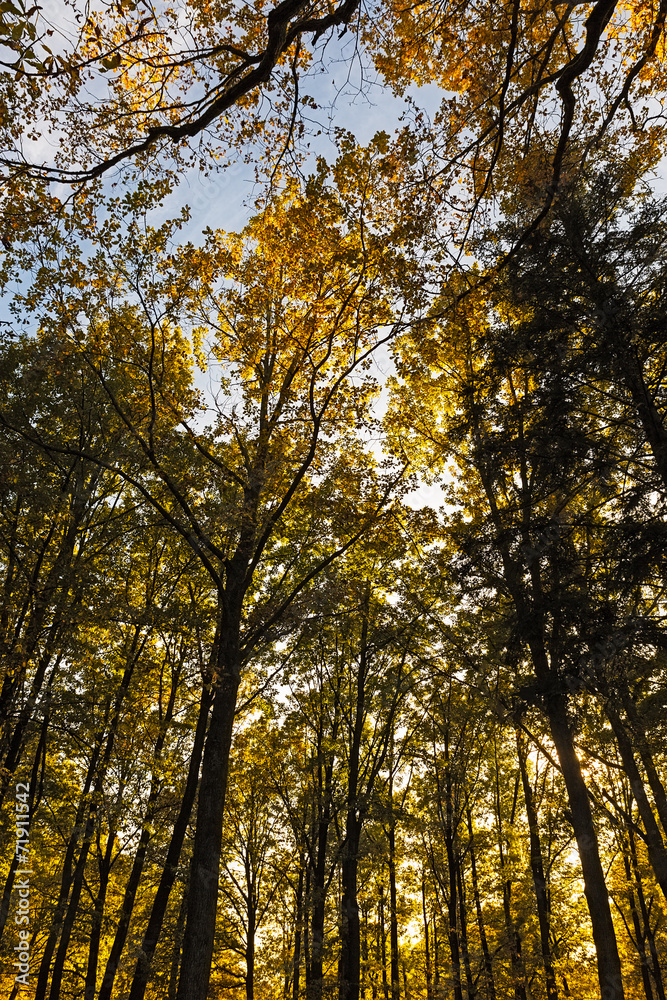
(66, 876)
(488, 965)
(427, 953)
(17, 739)
(350, 936)
(463, 926)
(639, 939)
(383, 945)
(250, 951)
(205, 868)
(73, 905)
(318, 902)
(350, 942)
(288, 964)
(632, 374)
(98, 914)
(178, 944)
(393, 918)
(36, 786)
(452, 900)
(364, 953)
(532, 630)
(537, 868)
(307, 915)
(436, 954)
(646, 918)
(296, 960)
(513, 937)
(167, 878)
(595, 886)
(656, 963)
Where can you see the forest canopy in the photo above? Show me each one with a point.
(332, 547)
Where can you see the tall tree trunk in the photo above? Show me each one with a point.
(296, 959)
(393, 917)
(511, 931)
(595, 886)
(537, 869)
(463, 929)
(383, 944)
(205, 868)
(73, 905)
(531, 627)
(364, 952)
(17, 739)
(298, 924)
(67, 875)
(646, 918)
(98, 914)
(306, 931)
(178, 944)
(427, 953)
(452, 899)
(36, 787)
(350, 933)
(167, 878)
(632, 373)
(350, 942)
(436, 952)
(250, 950)
(639, 939)
(318, 900)
(488, 965)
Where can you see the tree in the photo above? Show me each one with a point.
(289, 339)
(516, 482)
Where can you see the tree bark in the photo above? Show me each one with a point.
(205, 868)
(427, 952)
(531, 629)
(639, 939)
(537, 869)
(250, 950)
(159, 908)
(296, 960)
(513, 936)
(350, 932)
(452, 900)
(463, 928)
(393, 918)
(178, 944)
(66, 876)
(595, 886)
(488, 965)
(383, 945)
(646, 918)
(315, 965)
(98, 914)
